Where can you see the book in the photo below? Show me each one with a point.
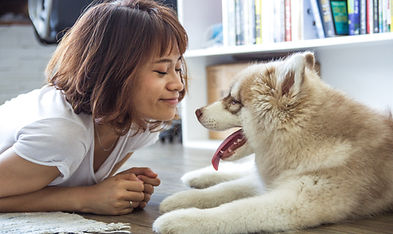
(317, 18)
(296, 19)
(249, 21)
(239, 27)
(258, 22)
(376, 16)
(279, 20)
(303, 25)
(340, 16)
(370, 16)
(353, 17)
(327, 18)
(309, 27)
(288, 20)
(363, 17)
(391, 15)
(386, 16)
(267, 21)
(228, 22)
(219, 80)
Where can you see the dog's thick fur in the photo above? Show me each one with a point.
(321, 157)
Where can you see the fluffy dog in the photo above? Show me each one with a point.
(320, 157)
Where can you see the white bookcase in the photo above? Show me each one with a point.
(361, 66)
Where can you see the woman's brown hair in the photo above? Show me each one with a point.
(96, 62)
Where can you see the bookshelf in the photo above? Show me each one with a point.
(361, 66)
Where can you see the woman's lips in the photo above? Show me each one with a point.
(171, 101)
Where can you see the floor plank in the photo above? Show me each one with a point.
(171, 161)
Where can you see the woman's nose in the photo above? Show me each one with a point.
(176, 83)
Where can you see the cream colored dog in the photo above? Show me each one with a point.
(320, 157)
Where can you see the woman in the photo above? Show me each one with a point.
(113, 82)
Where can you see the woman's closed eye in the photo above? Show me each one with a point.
(177, 70)
(160, 72)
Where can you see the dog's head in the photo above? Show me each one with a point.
(265, 98)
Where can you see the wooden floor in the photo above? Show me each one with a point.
(171, 161)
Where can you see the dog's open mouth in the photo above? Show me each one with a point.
(228, 147)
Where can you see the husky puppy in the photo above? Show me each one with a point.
(320, 157)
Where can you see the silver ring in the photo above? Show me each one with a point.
(131, 204)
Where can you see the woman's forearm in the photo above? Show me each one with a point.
(112, 196)
(48, 199)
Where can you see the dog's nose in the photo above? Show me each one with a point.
(198, 113)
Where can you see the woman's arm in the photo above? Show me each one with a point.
(23, 187)
(111, 197)
(18, 175)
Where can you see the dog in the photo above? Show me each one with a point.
(320, 157)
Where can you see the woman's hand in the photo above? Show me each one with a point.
(149, 179)
(113, 195)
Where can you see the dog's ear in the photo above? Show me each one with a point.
(292, 75)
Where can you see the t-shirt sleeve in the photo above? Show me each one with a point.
(53, 142)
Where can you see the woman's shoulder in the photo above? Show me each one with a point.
(46, 104)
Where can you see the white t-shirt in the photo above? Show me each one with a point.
(42, 128)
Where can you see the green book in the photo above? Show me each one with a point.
(340, 16)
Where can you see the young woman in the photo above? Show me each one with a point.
(113, 82)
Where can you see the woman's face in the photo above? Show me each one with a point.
(157, 90)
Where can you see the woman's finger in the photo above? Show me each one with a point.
(149, 180)
(135, 186)
(148, 188)
(141, 171)
(133, 196)
(147, 198)
(142, 205)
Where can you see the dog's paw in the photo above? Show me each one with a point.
(180, 221)
(178, 200)
(201, 178)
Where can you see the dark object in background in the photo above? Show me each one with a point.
(52, 18)
(172, 133)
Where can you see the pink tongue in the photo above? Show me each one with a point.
(226, 144)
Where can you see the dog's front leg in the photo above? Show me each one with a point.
(213, 196)
(207, 176)
(295, 205)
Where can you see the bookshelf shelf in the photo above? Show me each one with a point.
(292, 46)
(361, 66)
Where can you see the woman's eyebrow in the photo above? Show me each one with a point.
(166, 60)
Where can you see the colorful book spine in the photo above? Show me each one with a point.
(340, 16)
(370, 16)
(327, 18)
(363, 17)
(380, 16)
(353, 17)
(258, 21)
(375, 16)
(386, 16)
(391, 15)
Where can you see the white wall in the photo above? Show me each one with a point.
(22, 61)
(363, 72)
